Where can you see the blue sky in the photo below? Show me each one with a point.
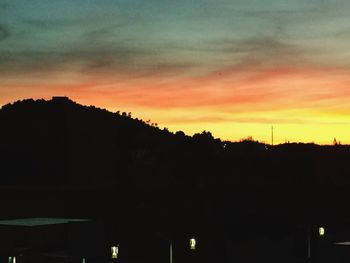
(197, 34)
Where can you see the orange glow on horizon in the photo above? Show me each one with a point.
(304, 105)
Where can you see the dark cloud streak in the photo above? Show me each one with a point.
(4, 33)
(102, 33)
(3, 6)
(53, 23)
(119, 60)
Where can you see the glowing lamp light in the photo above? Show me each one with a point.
(192, 243)
(321, 231)
(114, 252)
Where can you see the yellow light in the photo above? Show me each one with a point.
(321, 231)
(115, 251)
(193, 243)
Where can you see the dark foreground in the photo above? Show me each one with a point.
(89, 240)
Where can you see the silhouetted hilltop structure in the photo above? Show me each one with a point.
(59, 158)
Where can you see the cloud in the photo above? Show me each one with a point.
(107, 60)
(261, 47)
(86, 47)
(53, 23)
(147, 48)
(3, 6)
(220, 119)
(76, 43)
(271, 45)
(4, 33)
(100, 33)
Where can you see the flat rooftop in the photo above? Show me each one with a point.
(39, 221)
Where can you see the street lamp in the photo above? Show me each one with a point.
(193, 243)
(114, 251)
(321, 231)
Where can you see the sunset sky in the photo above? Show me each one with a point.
(232, 67)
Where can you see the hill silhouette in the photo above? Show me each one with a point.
(61, 158)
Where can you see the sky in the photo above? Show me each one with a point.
(231, 67)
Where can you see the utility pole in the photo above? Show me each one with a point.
(272, 135)
(308, 246)
(171, 252)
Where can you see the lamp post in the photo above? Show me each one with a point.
(321, 233)
(193, 244)
(171, 252)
